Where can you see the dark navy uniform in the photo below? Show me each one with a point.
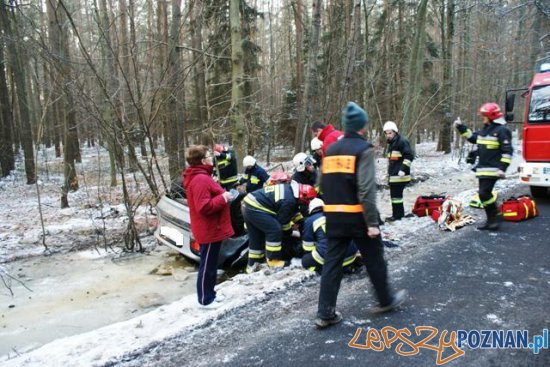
(254, 178)
(226, 163)
(315, 244)
(400, 157)
(494, 145)
(268, 213)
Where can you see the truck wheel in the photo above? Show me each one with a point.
(538, 191)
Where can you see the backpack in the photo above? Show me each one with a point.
(426, 205)
(518, 209)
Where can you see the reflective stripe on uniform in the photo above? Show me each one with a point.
(467, 134)
(255, 254)
(397, 200)
(318, 258)
(394, 155)
(342, 208)
(407, 162)
(490, 142)
(273, 246)
(400, 179)
(320, 223)
(487, 171)
(251, 200)
(339, 164)
(308, 246)
(229, 179)
(349, 260)
(506, 158)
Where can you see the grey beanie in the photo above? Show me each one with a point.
(354, 118)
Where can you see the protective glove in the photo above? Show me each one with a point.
(457, 122)
(401, 173)
(501, 174)
(216, 153)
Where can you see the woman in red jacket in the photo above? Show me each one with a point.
(210, 219)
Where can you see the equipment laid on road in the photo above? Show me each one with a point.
(518, 209)
(451, 216)
(425, 205)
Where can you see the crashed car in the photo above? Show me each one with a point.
(174, 230)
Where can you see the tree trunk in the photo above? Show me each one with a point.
(18, 67)
(408, 123)
(311, 90)
(7, 160)
(237, 80)
(352, 50)
(445, 132)
(298, 51)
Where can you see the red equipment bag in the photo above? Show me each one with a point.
(518, 209)
(425, 205)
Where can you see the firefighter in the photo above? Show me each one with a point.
(494, 144)
(317, 152)
(326, 133)
(349, 189)
(400, 157)
(254, 176)
(314, 240)
(268, 213)
(226, 163)
(305, 172)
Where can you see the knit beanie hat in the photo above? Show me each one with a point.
(354, 118)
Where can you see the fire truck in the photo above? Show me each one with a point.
(535, 170)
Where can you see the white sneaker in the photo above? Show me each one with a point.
(212, 305)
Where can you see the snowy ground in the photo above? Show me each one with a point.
(83, 225)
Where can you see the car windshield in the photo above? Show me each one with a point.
(539, 108)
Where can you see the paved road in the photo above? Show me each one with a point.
(466, 280)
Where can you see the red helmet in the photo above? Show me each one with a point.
(490, 110)
(218, 148)
(278, 177)
(306, 193)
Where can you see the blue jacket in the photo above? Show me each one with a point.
(255, 178)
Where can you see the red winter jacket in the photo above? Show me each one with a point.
(328, 136)
(210, 216)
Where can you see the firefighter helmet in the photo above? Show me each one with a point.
(278, 177)
(305, 193)
(218, 148)
(490, 110)
(249, 161)
(315, 204)
(390, 126)
(316, 144)
(302, 160)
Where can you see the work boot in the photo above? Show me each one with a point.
(392, 219)
(324, 323)
(252, 267)
(276, 263)
(398, 299)
(493, 220)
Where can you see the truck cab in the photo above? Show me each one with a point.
(535, 170)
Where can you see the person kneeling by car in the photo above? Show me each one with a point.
(315, 241)
(268, 213)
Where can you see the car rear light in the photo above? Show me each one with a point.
(195, 247)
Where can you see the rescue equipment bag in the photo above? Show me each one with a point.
(425, 205)
(518, 209)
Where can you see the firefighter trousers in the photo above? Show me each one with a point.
(264, 235)
(486, 186)
(396, 194)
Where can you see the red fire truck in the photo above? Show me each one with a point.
(535, 170)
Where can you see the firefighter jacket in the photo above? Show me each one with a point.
(349, 187)
(277, 200)
(314, 240)
(400, 157)
(494, 145)
(227, 168)
(254, 178)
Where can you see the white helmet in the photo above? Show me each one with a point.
(302, 160)
(390, 125)
(249, 161)
(316, 144)
(314, 204)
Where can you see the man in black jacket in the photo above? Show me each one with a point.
(349, 189)
(400, 157)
